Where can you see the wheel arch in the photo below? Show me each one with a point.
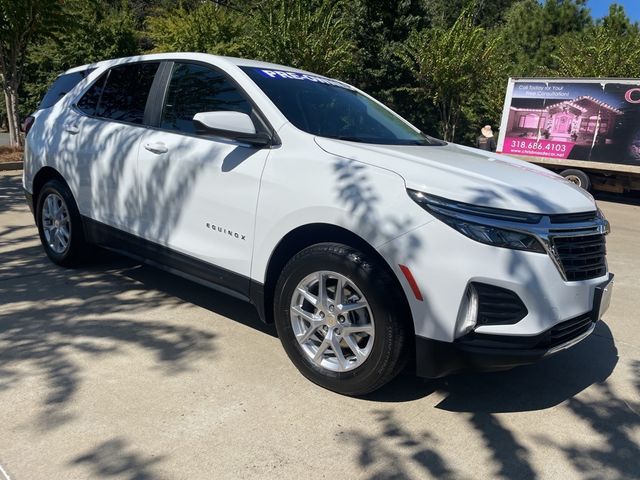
(41, 177)
(311, 234)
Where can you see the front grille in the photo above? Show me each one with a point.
(567, 331)
(573, 217)
(498, 306)
(581, 257)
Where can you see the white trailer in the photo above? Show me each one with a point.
(586, 129)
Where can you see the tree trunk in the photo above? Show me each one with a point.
(13, 118)
(444, 118)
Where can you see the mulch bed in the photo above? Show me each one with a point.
(10, 154)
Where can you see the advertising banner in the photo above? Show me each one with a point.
(592, 120)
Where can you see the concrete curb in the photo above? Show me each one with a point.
(11, 166)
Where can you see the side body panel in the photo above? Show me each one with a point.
(302, 184)
(105, 154)
(199, 197)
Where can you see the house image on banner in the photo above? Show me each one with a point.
(582, 121)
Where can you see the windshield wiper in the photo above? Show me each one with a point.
(350, 139)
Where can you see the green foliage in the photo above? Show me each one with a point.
(307, 36)
(450, 65)
(531, 30)
(21, 22)
(207, 27)
(378, 29)
(444, 72)
(610, 49)
(484, 13)
(98, 32)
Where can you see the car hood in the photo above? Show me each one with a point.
(471, 176)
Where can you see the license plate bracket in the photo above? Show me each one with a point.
(602, 298)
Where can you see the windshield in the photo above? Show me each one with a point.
(330, 108)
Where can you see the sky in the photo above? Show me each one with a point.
(600, 8)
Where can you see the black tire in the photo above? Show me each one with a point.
(77, 248)
(387, 355)
(578, 177)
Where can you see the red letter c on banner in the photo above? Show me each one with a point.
(629, 95)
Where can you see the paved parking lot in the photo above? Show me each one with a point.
(121, 371)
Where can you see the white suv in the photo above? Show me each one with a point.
(366, 242)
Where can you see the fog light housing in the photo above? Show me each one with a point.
(468, 313)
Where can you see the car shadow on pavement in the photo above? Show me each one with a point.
(238, 310)
(528, 388)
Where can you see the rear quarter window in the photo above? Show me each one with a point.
(120, 93)
(61, 86)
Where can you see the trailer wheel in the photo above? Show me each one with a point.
(578, 177)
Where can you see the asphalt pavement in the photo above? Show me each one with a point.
(120, 371)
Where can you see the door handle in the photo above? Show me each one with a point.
(71, 128)
(157, 147)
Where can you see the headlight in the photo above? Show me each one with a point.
(479, 223)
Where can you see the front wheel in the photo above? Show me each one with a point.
(340, 319)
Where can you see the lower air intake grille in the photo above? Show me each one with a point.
(568, 330)
(581, 257)
(498, 306)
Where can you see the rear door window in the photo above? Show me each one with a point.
(61, 86)
(89, 101)
(121, 93)
(194, 89)
(124, 96)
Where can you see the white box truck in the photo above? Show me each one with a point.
(586, 129)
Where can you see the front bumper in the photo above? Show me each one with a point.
(486, 352)
(443, 263)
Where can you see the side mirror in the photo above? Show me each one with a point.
(232, 125)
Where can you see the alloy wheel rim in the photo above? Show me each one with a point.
(56, 223)
(332, 321)
(574, 179)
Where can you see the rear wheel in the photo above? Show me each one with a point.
(339, 318)
(578, 177)
(59, 224)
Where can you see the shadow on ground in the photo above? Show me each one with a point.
(11, 197)
(87, 310)
(483, 399)
(116, 458)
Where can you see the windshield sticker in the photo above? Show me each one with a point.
(278, 74)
